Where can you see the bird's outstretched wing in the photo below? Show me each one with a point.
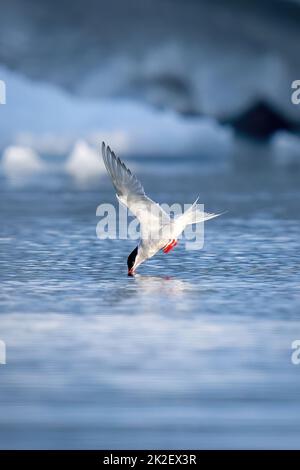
(131, 193)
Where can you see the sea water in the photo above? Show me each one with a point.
(193, 352)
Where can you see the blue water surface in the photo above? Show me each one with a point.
(192, 352)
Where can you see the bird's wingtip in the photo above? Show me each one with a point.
(103, 148)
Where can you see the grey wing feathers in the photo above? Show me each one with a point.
(131, 193)
(124, 181)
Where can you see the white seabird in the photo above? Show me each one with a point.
(158, 230)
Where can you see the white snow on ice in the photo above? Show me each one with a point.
(84, 163)
(50, 121)
(20, 162)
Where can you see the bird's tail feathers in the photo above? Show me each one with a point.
(194, 215)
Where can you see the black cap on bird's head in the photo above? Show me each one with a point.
(131, 260)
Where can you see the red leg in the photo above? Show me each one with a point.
(170, 246)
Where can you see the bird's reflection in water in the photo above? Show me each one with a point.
(141, 293)
(162, 285)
